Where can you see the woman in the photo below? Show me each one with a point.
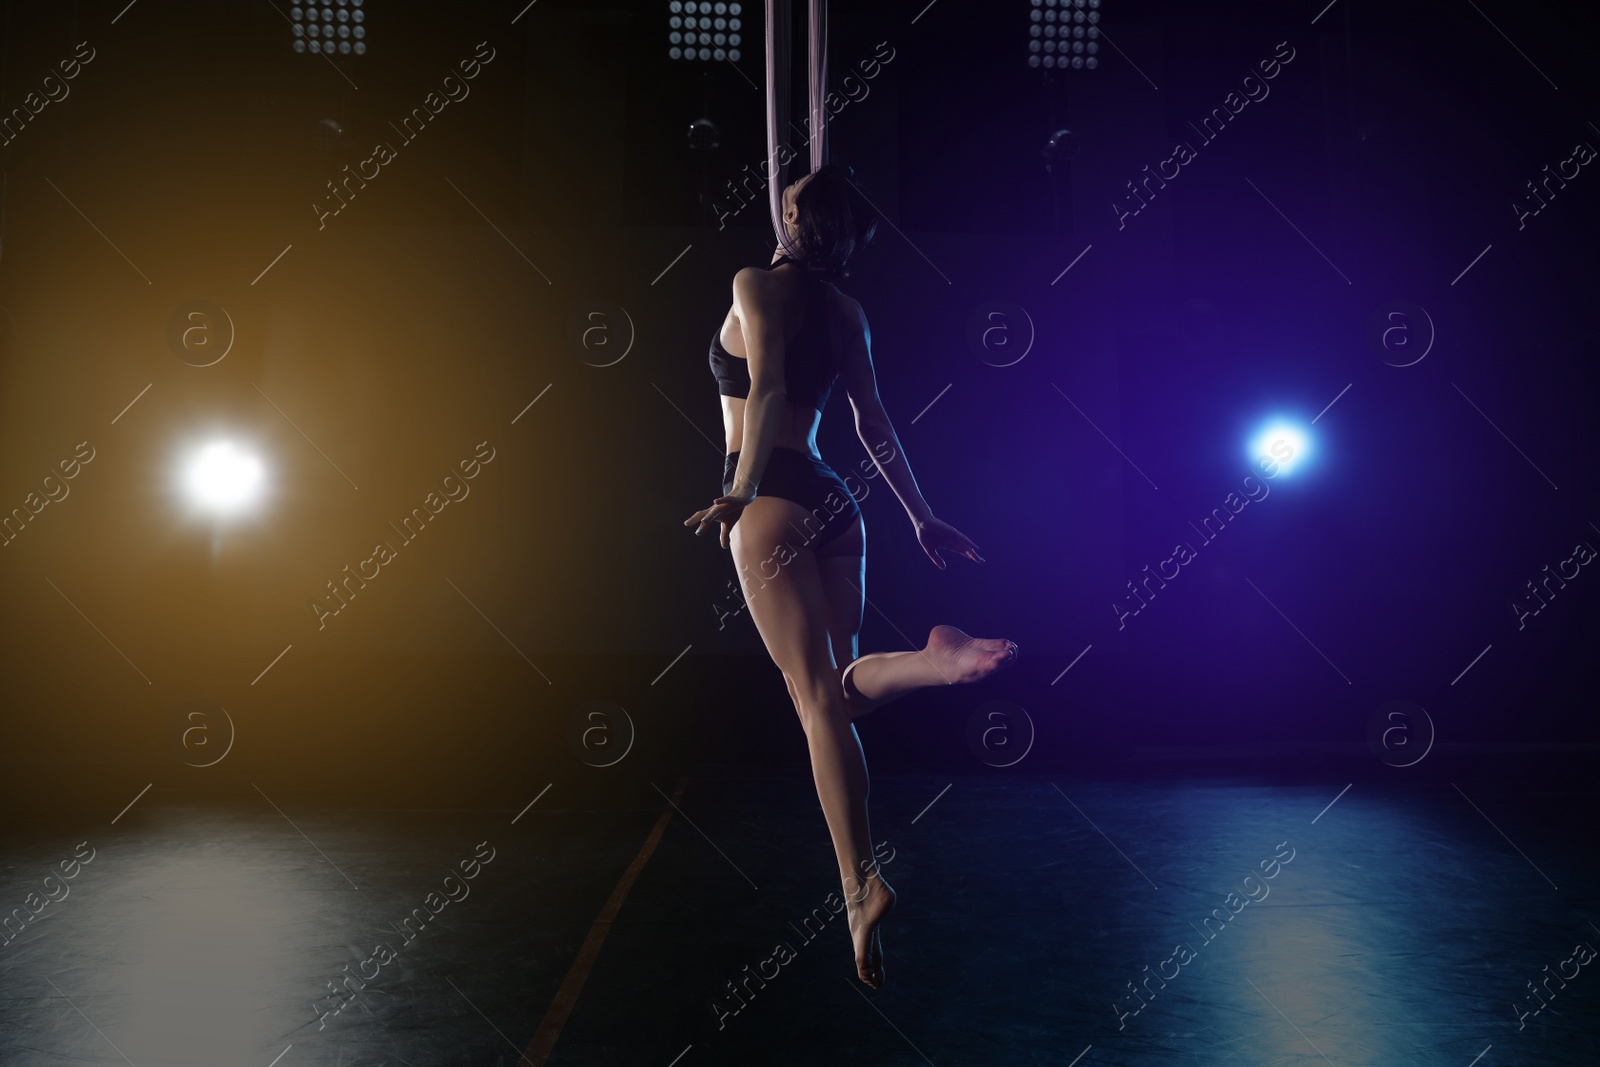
(799, 544)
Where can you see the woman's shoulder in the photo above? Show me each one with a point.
(753, 286)
(846, 307)
(758, 280)
(751, 275)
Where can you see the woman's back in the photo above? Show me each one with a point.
(809, 313)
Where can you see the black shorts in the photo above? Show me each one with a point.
(808, 482)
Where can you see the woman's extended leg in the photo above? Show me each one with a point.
(949, 657)
(790, 609)
(879, 677)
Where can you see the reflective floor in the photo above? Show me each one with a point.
(1040, 922)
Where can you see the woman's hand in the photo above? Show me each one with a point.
(934, 535)
(725, 509)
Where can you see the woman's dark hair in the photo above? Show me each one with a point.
(834, 222)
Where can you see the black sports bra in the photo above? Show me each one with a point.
(809, 367)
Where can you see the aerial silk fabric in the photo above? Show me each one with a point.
(778, 57)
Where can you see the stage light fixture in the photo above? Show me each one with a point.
(336, 27)
(698, 30)
(1282, 447)
(1064, 34)
(223, 479)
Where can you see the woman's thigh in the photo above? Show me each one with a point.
(783, 585)
(843, 566)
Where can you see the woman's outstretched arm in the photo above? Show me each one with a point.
(872, 421)
(883, 444)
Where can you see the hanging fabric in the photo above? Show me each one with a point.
(778, 61)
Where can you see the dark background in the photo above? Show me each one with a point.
(408, 330)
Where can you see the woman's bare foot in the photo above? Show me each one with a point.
(872, 909)
(968, 659)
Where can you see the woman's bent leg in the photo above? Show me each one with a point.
(950, 657)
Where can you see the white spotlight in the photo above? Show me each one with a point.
(1283, 446)
(223, 479)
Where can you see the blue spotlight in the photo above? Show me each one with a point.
(1279, 449)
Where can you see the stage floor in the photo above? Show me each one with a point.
(1377, 925)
